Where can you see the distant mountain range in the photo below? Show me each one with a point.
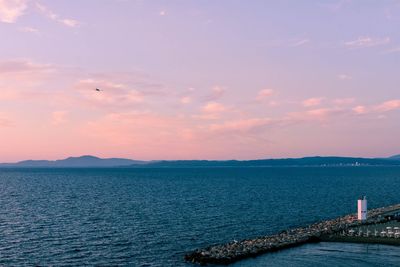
(75, 162)
(289, 162)
(95, 162)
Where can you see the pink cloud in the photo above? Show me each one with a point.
(11, 10)
(214, 107)
(211, 111)
(137, 116)
(242, 125)
(386, 106)
(155, 136)
(53, 16)
(24, 66)
(315, 114)
(23, 79)
(149, 135)
(69, 22)
(311, 102)
(186, 100)
(111, 94)
(216, 93)
(322, 113)
(389, 105)
(344, 77)
(184, 97)
(263, 94)
(142, 82)
(29, 30)
(360, 109)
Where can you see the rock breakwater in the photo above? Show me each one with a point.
(237, 250)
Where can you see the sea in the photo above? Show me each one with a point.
(153, 217)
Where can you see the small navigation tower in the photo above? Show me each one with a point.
(362, 208)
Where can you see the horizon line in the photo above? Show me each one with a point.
(155, 160)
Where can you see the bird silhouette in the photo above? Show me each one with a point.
(98, 89)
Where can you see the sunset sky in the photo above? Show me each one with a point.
(199, 79)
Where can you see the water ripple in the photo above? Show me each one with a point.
(152, 217)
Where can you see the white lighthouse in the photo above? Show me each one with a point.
(362, 208)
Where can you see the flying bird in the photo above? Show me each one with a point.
(98, 89)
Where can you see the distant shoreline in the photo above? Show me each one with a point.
(188, 167)
(95, 162)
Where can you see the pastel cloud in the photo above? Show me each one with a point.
(126, 114)
(55, 17)
(241, 125)
(393, 50)
(311, 102)
(299, 42)
(11, 10)
(23, 66)
(216, 93)
(263, 94)
(145, 133)
(325, 114)
(29, 30)
(112, 94)
(144, 61)
(360, 109)
(214, 107)
(366, 41)
(211, 111)
(172, 137)
(389, 105)
(344, 77)
(69, 22)
(158, 132)
(26, 80)
(186, 100)
(19, 79)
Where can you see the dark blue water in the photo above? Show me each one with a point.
(152, 217)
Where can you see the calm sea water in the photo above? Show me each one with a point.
(152, 217)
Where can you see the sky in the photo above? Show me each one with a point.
(186, 79)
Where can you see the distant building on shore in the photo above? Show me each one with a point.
(362, 208)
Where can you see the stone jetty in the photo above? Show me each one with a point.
(237, 250)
